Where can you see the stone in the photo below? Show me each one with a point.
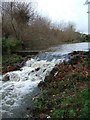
(32, 71)
(5, 78)
(42, 116)
(44, 70)
(54, 71)
(42, 84)
(37, 69)
(10, 68)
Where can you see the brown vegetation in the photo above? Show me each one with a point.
(65, 91)
(20, 21)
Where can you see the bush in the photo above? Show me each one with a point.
(10, 60)
(9, 45)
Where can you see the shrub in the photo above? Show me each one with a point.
(10, 45)
(10, 60)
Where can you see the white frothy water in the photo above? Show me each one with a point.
(24, 81)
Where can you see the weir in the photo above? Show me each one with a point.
(25, 53)
(28, 52)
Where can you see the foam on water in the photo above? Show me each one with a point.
(23, 82)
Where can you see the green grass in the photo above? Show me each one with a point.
(67, 97)
(11, 59)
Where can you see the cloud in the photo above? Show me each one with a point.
(66, 10)
(63, 10)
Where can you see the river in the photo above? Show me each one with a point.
(17, 93)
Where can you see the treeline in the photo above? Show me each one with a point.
(23, 28)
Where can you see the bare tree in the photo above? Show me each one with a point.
(15, 17)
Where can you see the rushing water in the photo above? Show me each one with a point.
(18, 91)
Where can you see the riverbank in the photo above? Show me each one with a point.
(13, 62)
(65, 91)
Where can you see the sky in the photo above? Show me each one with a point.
(64, 11)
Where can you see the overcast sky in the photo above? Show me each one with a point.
(64, 10)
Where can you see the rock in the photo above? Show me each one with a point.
(17, 66)
(22, 63)
(54, 71)
(42, 116)
(28, 109)
(42, 84)
(44, 70)
(37, 69)
(10, 68)
(74, 53)
(5, 78)
(32, 71)
(49, 78)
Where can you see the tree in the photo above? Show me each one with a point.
(16, 17)
(39, 33)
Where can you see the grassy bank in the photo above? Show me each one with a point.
(10, 60)
(65, 92)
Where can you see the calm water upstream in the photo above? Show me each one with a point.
(18, 91)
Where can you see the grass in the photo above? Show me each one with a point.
(66, 95)
(10, 60)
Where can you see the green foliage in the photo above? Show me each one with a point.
(72, 78)
(83, 97)
(86, 61)
(10, 45)
(72, 113)
(87, 38)
(58, 113)
(10, 60)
